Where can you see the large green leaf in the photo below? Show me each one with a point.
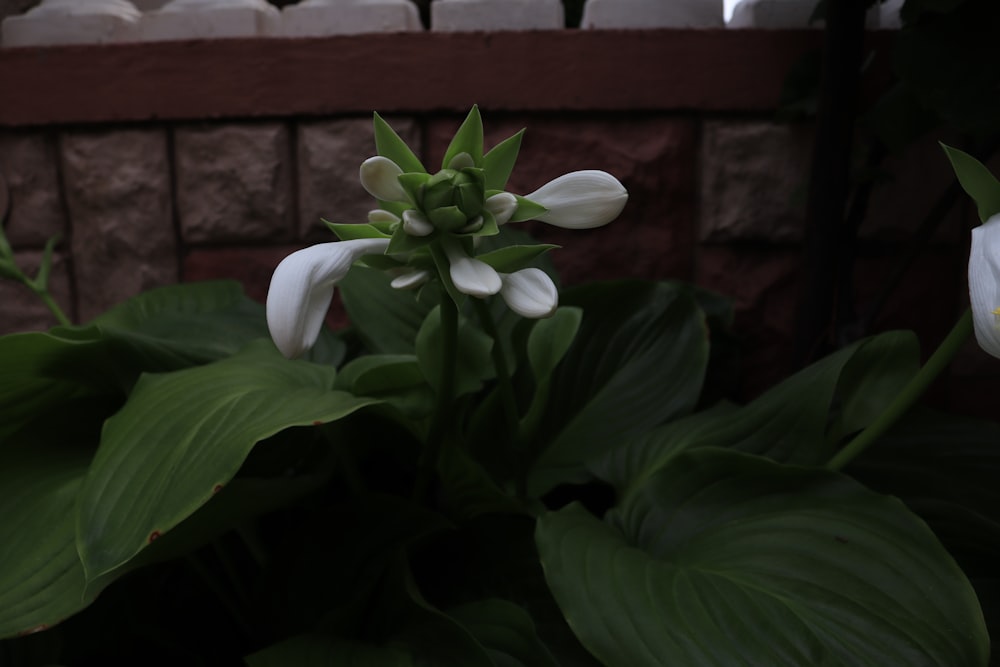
(638, 360)
(945, 468)
(42, 580)
(788, 423)
(182, 435)
(506, 631)
(386, 319)
(726, 558)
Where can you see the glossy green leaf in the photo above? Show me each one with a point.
(874, 376)
(638, 360)
(468, 139)
(387, 319)
(474, 364)
(182, 435)
(356, 230)
(515, 257)
(41, 577)
(395, 379)
(726, 558)
(388, 144)
(526, 210)
(945, 468)
(499, 162)
(551, 338)
(977, 181)
(506, 631)
(788, 423)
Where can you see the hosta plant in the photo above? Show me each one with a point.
(482, 470)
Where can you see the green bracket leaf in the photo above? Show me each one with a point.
(468, 139)
(977, 181)
(388, 144)
(499, 162)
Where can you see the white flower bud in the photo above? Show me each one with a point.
(380, 177)
(529, 293)
(581, 199)
(984, 284)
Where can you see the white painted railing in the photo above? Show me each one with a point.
(104, 21)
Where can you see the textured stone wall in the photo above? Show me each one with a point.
(715, 200)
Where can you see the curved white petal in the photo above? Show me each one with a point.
(471, 276)
(581, 199)
(984, 284)
(381, 215)
(380, 177)
(502, 206)
(416, 223)
(302, 288)
(411, 279)
(530, 293)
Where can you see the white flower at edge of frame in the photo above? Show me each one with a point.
(581, 199)
(984, 284)
(302, 287)
(529, 293)
(380, 177)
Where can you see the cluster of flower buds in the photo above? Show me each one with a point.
(428, 227)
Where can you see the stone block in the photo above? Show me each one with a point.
(754, 181)
(118, 195)
(313, 18)
(654, 157)
(796, 14)
(210, 19)
(612, 14)
(233, 182)
(73, 22)
(329, 155)
(493, 15)
(21, 309)
(28, 165)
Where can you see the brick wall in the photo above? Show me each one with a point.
(150, 192)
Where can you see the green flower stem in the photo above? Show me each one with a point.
(443, 414)
(500, 365)
(51, 304)
(908, 396)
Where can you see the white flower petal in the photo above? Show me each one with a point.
(302, 288)
(984, 284)
(411, 279)
(581, 199)
(529, 293)
(471, 276)
(381, 215)
(380, 177)
(416, 223)
(502, 206)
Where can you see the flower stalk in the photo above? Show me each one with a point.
(910, 394)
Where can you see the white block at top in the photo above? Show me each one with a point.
(72, 22)
(773, 14)
(314, 18)
(466, 15)
(210, 19)
(653, 14)
(795, 14)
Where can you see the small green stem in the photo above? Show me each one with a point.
(500, 365)
(53, 307)
(909, 395)
(443, 413)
